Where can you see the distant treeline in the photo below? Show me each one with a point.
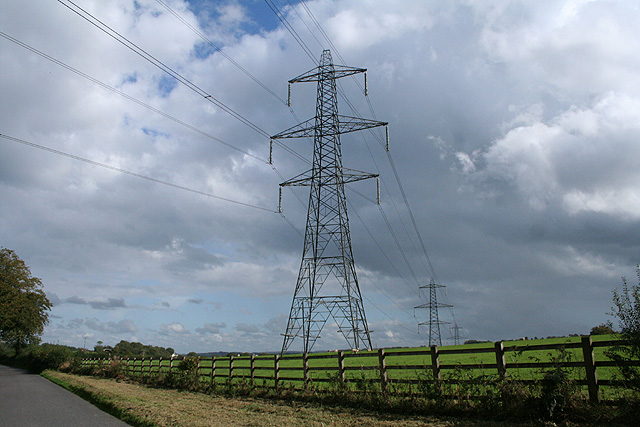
(126, 349)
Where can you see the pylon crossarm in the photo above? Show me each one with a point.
(304, 179)
(429, 305)
(350, 175)
(304, 129)
(353, 124)
(319, 73)
(346, 124)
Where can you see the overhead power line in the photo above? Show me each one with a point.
(395, 172)
(137, 175)
(129, 97)
(220, 51)
(147, 56)
(281, 16)
(178, 77)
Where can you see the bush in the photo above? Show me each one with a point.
(37, 358)
(627, 310)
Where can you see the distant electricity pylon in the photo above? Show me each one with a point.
(327, 284)
(433, 305)
(456, 333)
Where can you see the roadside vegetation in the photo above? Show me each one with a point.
(554, 398)
(145, 406)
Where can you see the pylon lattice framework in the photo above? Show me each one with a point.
(327, 285)
(434, 320)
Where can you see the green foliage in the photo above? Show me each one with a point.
(110, 368)
(37, 358)
(559, 393)
(604, 329)
(627, 310)
(185, 376)
(126, 349)
(23, 303)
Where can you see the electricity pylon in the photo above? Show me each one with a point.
(456, 333)
(434, 320)
(327, 285)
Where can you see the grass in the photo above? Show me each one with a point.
(364, 367)
(145, 406)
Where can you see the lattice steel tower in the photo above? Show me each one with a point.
(434, 320)
(327, 285)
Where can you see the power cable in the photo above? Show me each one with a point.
(220, 51)
(396, 321)
(305, 24)
(137, 175)
(290, 28)
(413, 220)
(404, 197)
(178, 77)
(145, 55)
(129, 97)
(375, 241)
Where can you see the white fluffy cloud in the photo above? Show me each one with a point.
(585, 159)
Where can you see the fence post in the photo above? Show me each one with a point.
(171, 365)
(276, 369)
(160, 365)
(253, 369)
(305, 369)
(150, 364)
(500, 360)
(230, 367)
(435, 363)
(341, 365)
(590, 367)
(383, 370)
(213, 369)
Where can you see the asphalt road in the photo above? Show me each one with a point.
(30, 400)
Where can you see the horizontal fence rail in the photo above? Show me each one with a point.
(397, 368)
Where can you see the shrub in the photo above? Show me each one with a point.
(627, 310)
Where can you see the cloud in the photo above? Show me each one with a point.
(109, 304)
(247, 328)
(211, 328)
(122, 327)
(583, 160)
(173, 328)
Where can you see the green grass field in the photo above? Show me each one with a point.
(406, 368)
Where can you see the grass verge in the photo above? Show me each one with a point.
(145, 406)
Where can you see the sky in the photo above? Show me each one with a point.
(149, 209)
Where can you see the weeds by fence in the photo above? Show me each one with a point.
(399, 371)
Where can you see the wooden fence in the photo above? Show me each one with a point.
(398, 367)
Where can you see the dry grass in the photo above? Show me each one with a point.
(163, 407)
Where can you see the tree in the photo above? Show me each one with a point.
(23, 303)
(627, 310)
(135, 349)
(604, 329)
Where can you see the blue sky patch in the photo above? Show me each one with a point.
(261, 17)
(166, 84)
